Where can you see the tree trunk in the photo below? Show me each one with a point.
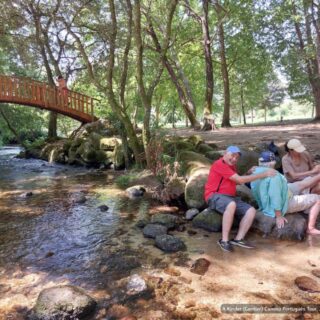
(242, 108)
(52, 126)
(52, 130)
(208, 60)
(225, 74)
(306, 42)
(185, 99)
(315, 84)
(138, 151)
(11, 128)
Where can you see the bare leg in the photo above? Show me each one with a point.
(227, 220)
(314, 211)
(309, 183)
(246, 223)
(316, 189)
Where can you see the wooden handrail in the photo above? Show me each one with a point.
(38, 94)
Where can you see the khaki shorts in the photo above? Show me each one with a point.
(302, 202)
(295, 187)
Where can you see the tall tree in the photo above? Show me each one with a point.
(294, 38)
(203, 21)
(175, 72)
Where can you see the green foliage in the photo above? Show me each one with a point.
(35, 144)
(124, 181)
(260, 39)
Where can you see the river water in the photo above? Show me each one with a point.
(47, 238)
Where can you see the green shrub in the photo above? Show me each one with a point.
(36, 144)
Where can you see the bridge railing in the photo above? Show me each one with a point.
(36, 93)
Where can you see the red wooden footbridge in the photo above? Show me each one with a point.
(41, 95)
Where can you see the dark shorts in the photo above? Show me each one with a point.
(219, 202)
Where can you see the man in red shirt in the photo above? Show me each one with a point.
(220, 194)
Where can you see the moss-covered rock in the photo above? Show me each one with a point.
(203, 148)
(172, 146)
(208, 220)
(54, 152)
(214, 155)
(195, 140)
(109, 143)
(191, 161)
(194, 191)
(95, 138)
(247, 160)
(118, 157)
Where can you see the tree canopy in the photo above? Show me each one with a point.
(151, 63)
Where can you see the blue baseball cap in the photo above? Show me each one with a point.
(234, 149)
(267, 156)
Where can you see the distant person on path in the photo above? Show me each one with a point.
(298, 165)
(220, 194)
(63, 90)
(212, 122)
(276, 197)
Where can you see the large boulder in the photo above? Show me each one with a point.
(245, 194)
(174, 145)
(247, 160)
(165, 219)
(208, 220)
(214, 155)
(194, 191)
(203, 148)
(90, 155)
(63, 302)
(197, 169)
(54, 152)
(118, 157)
(193, 161)
(168, 243)
(175, 188)
(109, 143)
(294, 229)
(195, 139)
(152, 230)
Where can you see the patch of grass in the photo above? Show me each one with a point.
(124, 181)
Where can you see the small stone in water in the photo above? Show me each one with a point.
(200, 266)
(104, 207)
(49, 254)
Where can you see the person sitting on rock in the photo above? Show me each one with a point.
(298, 165)
(211, 121)
(220, 194)
(276, 197)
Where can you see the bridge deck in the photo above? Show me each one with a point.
(33, 93)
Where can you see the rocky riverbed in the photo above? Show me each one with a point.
(67, 226)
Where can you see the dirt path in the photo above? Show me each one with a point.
(307, 133)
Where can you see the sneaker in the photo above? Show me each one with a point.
(225, 245)
(241, 243)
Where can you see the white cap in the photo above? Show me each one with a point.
(296, 145)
